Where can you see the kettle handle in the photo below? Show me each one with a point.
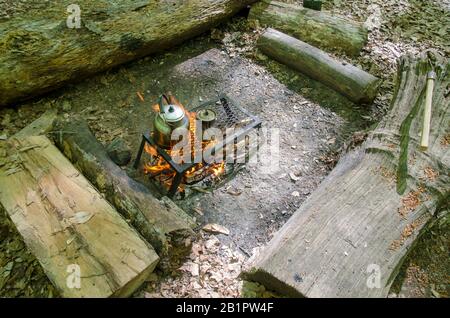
(163, 96)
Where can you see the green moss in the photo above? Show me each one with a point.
(22, 42)
(402, 168)
(256, 290)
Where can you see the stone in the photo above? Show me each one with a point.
(119, 152)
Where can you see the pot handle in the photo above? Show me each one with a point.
(163, 96)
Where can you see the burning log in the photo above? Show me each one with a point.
(43, 46)
(351, 236)
(83, 245)
(318, 28)
(160, 222)
(358, 85)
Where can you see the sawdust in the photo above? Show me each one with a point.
(445, 141)
(410, 202)
(388, 174)
(406, 233)
(430, 173)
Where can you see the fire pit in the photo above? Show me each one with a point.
(235, 124)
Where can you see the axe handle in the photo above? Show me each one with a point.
(427, 112)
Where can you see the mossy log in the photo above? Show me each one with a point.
(162, 223)
(352, 234)
(318, 28)
(39, 52)
(358, 85)
(83, 244)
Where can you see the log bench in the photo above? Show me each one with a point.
(319, 28)
(346, 79)
(352, 234)
(162, 223)
(83, 244)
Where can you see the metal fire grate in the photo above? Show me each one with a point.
(229, 114)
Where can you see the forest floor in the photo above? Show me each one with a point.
(317, 125)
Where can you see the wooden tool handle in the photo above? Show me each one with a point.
(427, 112)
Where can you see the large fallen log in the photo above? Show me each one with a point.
(350, 237)
(39, 52)
(84, 246)
(160, 222)
(358, 85)
(318, 28)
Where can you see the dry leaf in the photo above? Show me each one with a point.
(198, 210)
(192, 268)
(216, 228)
(233, 192)
(212, 243)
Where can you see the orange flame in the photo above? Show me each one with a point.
(159, 169)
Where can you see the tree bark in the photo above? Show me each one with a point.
(350, 237)
(161, 223)
(317, 28)
(68, 225)
(39, 52)
(358, 85)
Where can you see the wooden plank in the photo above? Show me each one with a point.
(357, 227)
(39, 52)
(318, 28)
(167, 227)
(65, 222)
(358, 85)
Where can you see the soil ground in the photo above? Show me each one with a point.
(315, 123)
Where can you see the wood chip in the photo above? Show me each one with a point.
(140, 96)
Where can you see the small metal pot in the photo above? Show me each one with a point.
(207, 117)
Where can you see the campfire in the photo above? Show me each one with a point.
(197, 147)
